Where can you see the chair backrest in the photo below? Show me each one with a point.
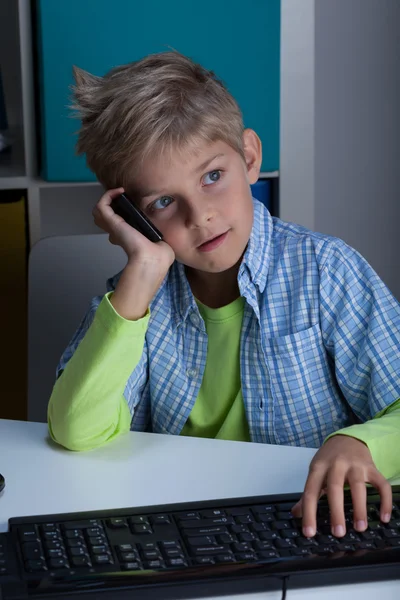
(64, 274)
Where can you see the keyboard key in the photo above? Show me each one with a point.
(173, 553)
(209, 550)
(290, 533)
(131, 566)
(87, 524)
(226, 538)
(225, 558)
(236, 512)
(187, 516)
(161, 520)
(81, 561)
(28, 533)
(128, 556)
(366, 545)
(247, 537)
(151, 554)
(242, 547)
(284, 515)
(214, 530)
(76, 543)
(103, 559)
(53, 545)
(94, 531)
(139, 520)
(78, 551)
(58, 563)
(345, 547)
(256, 527)
(268, 554)
(390, 533)
(99, 549)
(204, 540)
(125, 547)
(204, 560)
(51, 535)
(56, 553)
(264, 546)
(280, 525)
(142, 529)
(265, 517)
(32, 551)
(285, 506)
(246, 556)
(49, 527)
(266, 508)
(303, 542)
(74, 534)
(302, 551)
(176, 562)
(268, 535)
(210, 514)
(285, 544)
(165, 545)
(96, 540)
(34, 566)
(117, 523)
(209, 522)
(154, 564)
(242, 519)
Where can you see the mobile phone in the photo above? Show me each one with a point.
(125, 208)
(2, 482)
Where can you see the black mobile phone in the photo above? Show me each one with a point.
(2, 482)
(125, 208)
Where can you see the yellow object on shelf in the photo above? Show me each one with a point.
(13, 305)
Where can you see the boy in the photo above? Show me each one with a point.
(237, 326)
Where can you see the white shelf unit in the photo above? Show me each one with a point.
(54, 208)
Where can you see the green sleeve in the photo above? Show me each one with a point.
(382, 436)
(87, 407)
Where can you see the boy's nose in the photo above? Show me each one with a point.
(199, 214)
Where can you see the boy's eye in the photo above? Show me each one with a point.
(162, 202)
(212, 176)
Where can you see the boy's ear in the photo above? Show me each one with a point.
(252, 148)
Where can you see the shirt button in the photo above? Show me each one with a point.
(192, 372)
(195, 319)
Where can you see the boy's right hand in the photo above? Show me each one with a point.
(147, 265)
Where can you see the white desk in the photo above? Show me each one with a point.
(140, 469)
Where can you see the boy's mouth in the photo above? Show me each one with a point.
(213, 243)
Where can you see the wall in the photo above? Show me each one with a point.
(344, 123)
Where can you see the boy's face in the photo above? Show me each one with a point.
(201, 197)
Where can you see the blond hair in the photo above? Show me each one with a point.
(161, 103)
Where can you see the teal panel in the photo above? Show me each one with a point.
(238, 40)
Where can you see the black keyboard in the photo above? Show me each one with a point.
(192, 550)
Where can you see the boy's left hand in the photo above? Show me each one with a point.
(342, 459)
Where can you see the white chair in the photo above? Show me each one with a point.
(64, 274)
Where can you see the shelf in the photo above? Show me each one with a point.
(12, 161)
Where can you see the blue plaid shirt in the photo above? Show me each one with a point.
(320, 340)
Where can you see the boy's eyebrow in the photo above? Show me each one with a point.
(205, 164)
(197, 170)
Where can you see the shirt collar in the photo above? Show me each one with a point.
(256, 258)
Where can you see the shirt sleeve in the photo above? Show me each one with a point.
(360, 324)
(382, 436)
(87, 407)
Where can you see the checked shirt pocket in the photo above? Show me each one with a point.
(308, 404)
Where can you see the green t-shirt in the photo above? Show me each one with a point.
(219, 409)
